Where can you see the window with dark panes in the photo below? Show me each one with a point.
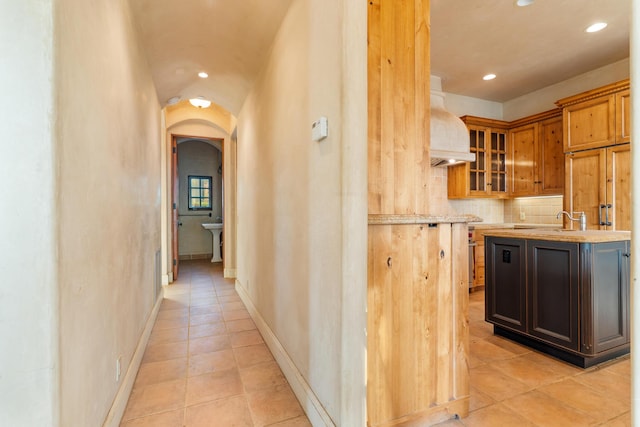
(199, 192)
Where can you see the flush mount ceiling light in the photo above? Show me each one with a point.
(203, 75)
(200, 102)
(489, 77)
(594, 28)
(173, 100)
(523, 3)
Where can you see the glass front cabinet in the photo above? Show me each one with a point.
(487, 175)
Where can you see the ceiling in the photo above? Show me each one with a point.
(228, 39)
(527, 47)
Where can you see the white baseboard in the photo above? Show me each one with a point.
(122, 396)
(230, 273)
(316, 413)
(165, 279)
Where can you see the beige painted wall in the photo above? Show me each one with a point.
(108, 201)
(291, 200)
(198, 158)
(28, 295)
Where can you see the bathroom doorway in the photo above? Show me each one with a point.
(197, 195)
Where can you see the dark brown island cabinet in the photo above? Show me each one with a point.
(562, 292)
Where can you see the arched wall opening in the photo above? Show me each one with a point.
(214, 126)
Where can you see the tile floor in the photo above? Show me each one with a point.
(512, 385)
(206, 363)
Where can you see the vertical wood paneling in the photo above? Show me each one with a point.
(376, 178)
(444, 314)
(398, 45)
(417, 324)
(422, 106)
(416, 350)
(460, 282)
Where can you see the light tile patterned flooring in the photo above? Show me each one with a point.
(512, 385)
(206, 363)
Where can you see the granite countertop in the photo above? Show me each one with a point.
(381, 219)
(485, 225)
(561, 235)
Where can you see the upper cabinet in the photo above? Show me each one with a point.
(526, 157)
(513, 159)
(623, 116)
(536, 157)
(597, 118)
(487, 175)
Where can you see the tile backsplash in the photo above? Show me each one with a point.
(534, 210)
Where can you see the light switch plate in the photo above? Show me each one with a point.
(320, 129)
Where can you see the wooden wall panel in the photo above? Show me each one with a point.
(398, 63)
(418, 324)
(417, 312)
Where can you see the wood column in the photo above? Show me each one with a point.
(417, 326)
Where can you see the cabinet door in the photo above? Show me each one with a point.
(478, 140)
(522, 149)
(589, 124)
(585, 185)
(550, 163)
(618, 203)
(497, 169)
(553, 289)
(505, 276)
(623, 117)
(605, 296)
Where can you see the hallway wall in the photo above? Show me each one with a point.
(108, 201)
(28, 297)
(291, 204)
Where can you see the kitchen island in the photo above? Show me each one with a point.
(564, 292)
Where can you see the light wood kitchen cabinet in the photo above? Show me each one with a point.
(596, 118)
(598, 183)
(536, 156)
(487, 175)
(623, 116)
(550, 166)
(523, 144)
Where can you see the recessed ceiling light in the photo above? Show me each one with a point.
(200, 102)
(594, 28)
(489, 77)
(173, 100)
(203, 75)
(523, 3)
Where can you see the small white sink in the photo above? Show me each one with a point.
(213, 226)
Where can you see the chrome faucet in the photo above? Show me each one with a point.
(582, 219)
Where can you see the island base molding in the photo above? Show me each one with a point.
(574, 358)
